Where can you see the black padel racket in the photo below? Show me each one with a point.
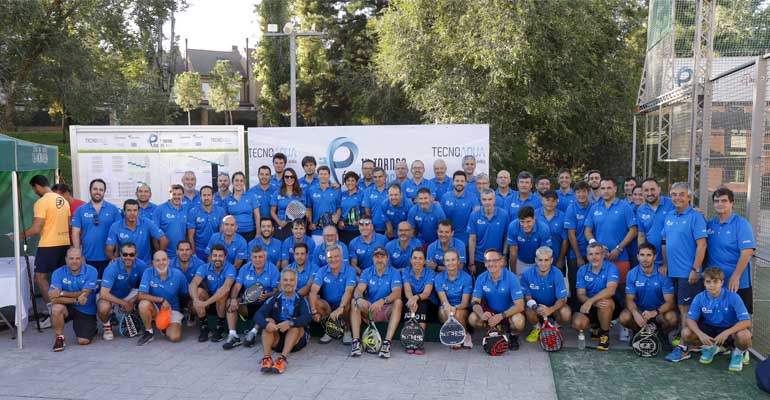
(252, 294)
(412, 334)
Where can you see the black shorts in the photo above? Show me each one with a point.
(685, 292)
(422, 311)
(47, 259)
(747, 295)
(714, 331)
(481, 267)
(99, 265)
(249, 236)
(251, 309)
(593, 315)
(299, 346)
(84, 325)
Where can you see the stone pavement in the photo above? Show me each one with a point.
(190, 370)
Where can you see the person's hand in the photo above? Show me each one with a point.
(495, 319)
(377, 306)
(650, 315)
(693, 278)
(127, 306)
(312, 226)
(543, 311)
(486, 316)
(472, 268)
(264, 296)
(603, 303)
(233, 305)
(413, 307)
(721, 338)
(705, 339)
(197, 303)
(335, 315)
(271, 327)
(82, 299)
(640, 320)
(586, 307)
(165, 305)
(735, 283)
(560, 265)
(614, 254)
(663, 270)
(284, 326)
(581, 261)
(281, 223)
(10, 236)
(340, 225)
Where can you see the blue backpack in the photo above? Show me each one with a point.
(763, 375)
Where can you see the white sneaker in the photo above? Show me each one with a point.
(623, 334)
(46, 323)
(108, 335)
(347, 338)
(325, 339)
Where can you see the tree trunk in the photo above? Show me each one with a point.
(231, 117)
(188, 118)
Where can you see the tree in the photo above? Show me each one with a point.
(188, 91)
(225, 88)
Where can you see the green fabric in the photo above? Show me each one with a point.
(20, 155)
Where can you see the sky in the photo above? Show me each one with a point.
(216, 24)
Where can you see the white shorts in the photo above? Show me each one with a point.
(130, 294)
(176, 316)
(521, 267)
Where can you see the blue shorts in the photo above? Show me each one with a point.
(685, 292)
(48, 259)
(714, 331)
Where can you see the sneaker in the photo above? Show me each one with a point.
(190, 319)
(410, 351)
(325, 339)
(533, 336)
(594, 334)
(624, 335)
(736, 363)
(250, 340)
(746, 357)
(231, 342)
(419, 351)
(204, 333)
(385, 349)
(46, 323)
(604, 343)
(107, 334)
(355, 348)
(678, 354)
(514, 342)
(468, 343)
(707, 354)
(219, 334)
(675, 341)
(147, 337)
(267, 364)
(347, 338)
(58, 344)
(280, 365)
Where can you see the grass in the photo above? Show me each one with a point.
(53, 139)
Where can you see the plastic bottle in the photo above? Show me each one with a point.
(581, 340)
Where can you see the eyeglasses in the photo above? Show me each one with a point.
(128, 254)
(492, 261)
(365, 222)
(289, 177)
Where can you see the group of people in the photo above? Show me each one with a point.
(428, 249)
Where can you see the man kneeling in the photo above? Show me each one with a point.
(72, 294)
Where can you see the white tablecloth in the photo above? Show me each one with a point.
(8, 286)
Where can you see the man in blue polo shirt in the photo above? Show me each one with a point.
(120, 284)
(446, 241)
(441, 182)
(323, 199)
(425, 216)
(91, 225)
(223, 190)
(378, 290)
(522, 197)
(367, 180)
(597, 283)
(373, 199)
(417, 182)
(400, 249)
(458, 206)
(330, 237)
(487, 229)
(72, 293)
(651, 215)
(395, 209)
(161, 288)
(279, 165)
(143, 196)
(544, 293)
(524, 237)
(297, 236)
(306, 270)
(362, 247)
(503, 191)
(235, 244)
(203, 221)
(453, 288)
(171, 217)
(554, 218)
(190, 197)
(332, 291)
(684, 247)
(311, 178)
(594, 180)
(186, 261)
(717, 318)
(140, 231)
(265, 239)
(649, 295)
(574, 224)
(263, 192)
(211, 299)
(498, 298)
(731, 245)
(565, 192)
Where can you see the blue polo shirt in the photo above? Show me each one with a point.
(610, 225)
(648, 291)
(319, 253)
(272, 248)
(274, 181)
(119, 281)
(400, 258)
(94, 234)
(458, 209)
(215, 280)
(545, 290)
(500, 199)
(333, 286)
(140, 236)
(305, 275)
(436, 252)
(287, 248)
(322, 201)
(242, 209)
(206, 224)
(362, 252)
(723, 311)
(441, 188)
(269, 277)
(556, 227)
(651, 224)
(188, 202)
(490, 232)
(170, 289)
(418, 284)
(426, 222)
(498, 296)
(565, 200)
(725, 242)
(409, 188)
(173, 222)
(362, 185)
(148, 211)
(396, 215)
(454, 289)
(514, 203)
(280, 202)
(528, 243)
(594, 283)
(575, 219)
(680, 231)
(220, 201)
(192, 267)
(380, 286)
(236, 249)
(373, 199)
(304, 184)
(350, 201)
(262, 197)
(63, 279)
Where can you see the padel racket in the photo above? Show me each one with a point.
(412, 334)
(452, 332)
(371, 340)
(352, 216)
(252, 294)
(495, 343)
(325, 220)
(335, 328)
(550, 337)
(645, 342)
(295, 210)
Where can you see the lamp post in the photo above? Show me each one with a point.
(288, 30)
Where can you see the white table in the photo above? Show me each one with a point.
(8, 287)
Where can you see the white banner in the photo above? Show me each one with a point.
(343, 148)
(126, 156)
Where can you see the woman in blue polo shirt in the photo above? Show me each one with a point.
(350, 203)
(288, 192)
(244, 207)
(418, 291)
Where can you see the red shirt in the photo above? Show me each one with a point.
(75, 204)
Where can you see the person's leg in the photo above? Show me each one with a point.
(323, 308)
(103, 311)
(517, 323)
(627, 320)
(394, 317)
(668, 321)
(59, 314)
(476, 322)
(203, 295)
(742, 339)
(269, 339)
(563, 315)
(605, 316)
(174, 332)
(84, 326)
(580, 321)
(355, 317)
(41, 279)
(147, 311)
(293, 336)
(531, 316)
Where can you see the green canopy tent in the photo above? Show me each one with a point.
(19, 162)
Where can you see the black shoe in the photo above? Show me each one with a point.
(58, 344)
(231, 342)
(604, 343)
(514, 343)
(147, 337)
(218, 335)
(595, 334)
(204, 333)
(250, 339)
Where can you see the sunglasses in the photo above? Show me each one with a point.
(128, 254)
(289, 177)
(96, 219)
(365, 222)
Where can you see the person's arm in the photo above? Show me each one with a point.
(274, 216)
(150, 298)
(573, 241)
(516, 308)
(426, 292)
(358, 293)
(743, 262)
(76, 237)
(408, 290)
(238, 262)
(605, 293)
(700, 254)
(388, 229)
(513, 252)
(257, 216)
(304, 317)
(621, 247)
(305, 291)
(193, 288)
(35, 229)
(394, 295)
(472, 251)
(105, 293)
(478, 310)
(562, 254)
(641, 237)
(588, 233)
(221, 293)
(464, 302)
(191, 237)
(59, 296)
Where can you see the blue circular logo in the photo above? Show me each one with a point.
(337, 143)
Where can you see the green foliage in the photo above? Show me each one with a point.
(225, 86)
(272, 67)
(188, 91)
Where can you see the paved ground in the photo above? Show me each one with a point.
(189, 370)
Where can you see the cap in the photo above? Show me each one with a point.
(380, 250)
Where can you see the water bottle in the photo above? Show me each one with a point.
(581, 340)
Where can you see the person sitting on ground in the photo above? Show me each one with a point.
(596, 285)
(454, 287)
(161, 288)
(211, 298)
(545, 293)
